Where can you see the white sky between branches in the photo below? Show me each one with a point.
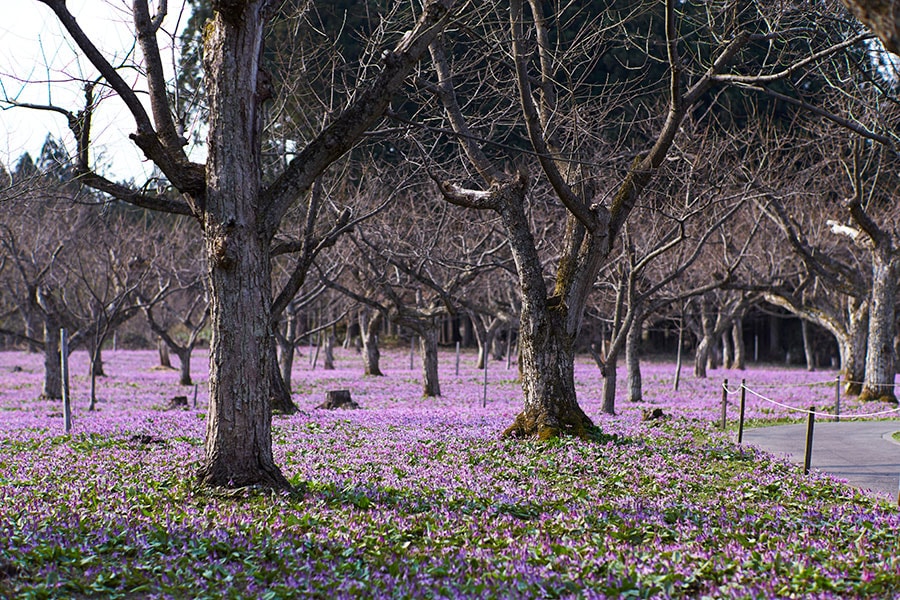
(40, 65)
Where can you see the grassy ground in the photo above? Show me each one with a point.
(412, 497)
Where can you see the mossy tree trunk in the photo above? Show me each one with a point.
(550, 322)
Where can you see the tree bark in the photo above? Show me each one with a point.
(707, 339)
(633, 361)
(882, 17)
(880, 372)
(548, 326)
(727, 356)
(163, 350)
(808, 352)
(428, 344)
(369, 329)
(238, 425)
(548, 378)
(52, 366)
(184, 357)
(329, 351)
(608, 392)
(737, 336)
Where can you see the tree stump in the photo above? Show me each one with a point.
(178, 402)
(653, 414)
(338, 399)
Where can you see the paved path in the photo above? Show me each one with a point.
(862, 452)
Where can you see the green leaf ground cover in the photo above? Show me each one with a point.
(418, 498)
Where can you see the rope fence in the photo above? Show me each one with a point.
(731, 391)
(811, 413)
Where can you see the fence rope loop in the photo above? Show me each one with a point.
(806, 411)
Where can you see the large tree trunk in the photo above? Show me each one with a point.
(52, 365)
(239, 420)
(547, 357)
(633, 361)
(549, 325)
(428, 344)
(879, 379)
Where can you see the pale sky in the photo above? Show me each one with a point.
(39, 65)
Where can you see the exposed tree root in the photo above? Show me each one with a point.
(543, 426)
(852, 388)
(230, 483)
(867, 395)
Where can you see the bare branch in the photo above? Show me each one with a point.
(570, 200)
(447, 94)
(156, 81)
(344, 131)
(795, 67)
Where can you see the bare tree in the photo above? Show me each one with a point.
(239, 215)
(180, 312)
(597, 203)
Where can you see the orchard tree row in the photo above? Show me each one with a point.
(532, 167)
